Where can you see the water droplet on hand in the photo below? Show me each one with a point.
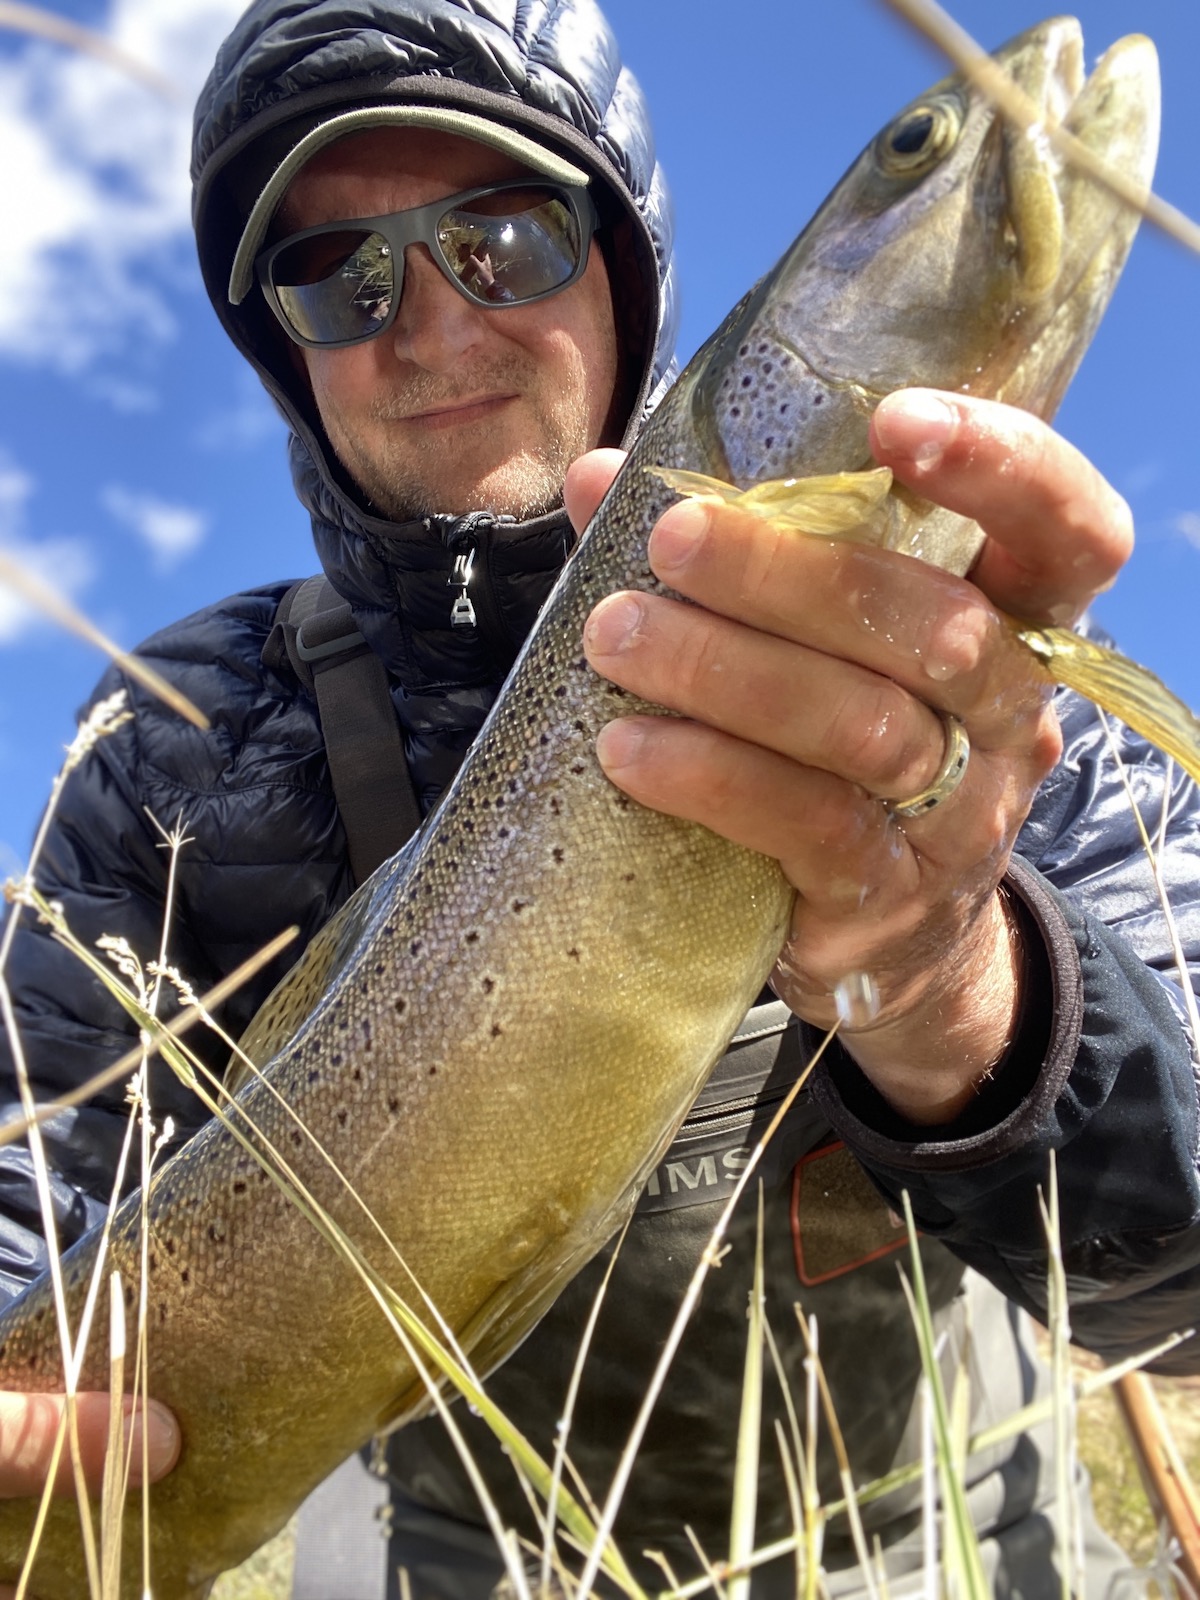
(856, 997)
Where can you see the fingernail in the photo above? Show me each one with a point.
(678, 536)
(916, 424)
(613, 625)
(618, 744)
(163, 1440)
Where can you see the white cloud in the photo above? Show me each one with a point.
(1188, 524)
(94, 185)
(246, 419)
(65, 565)
(170, 532)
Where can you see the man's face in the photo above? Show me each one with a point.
(455, 407)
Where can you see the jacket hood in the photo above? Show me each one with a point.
(551, 69)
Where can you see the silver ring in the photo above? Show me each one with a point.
(950, 773)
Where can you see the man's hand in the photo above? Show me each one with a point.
(811, 679)
(29, 1425)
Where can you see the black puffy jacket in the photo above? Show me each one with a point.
(1101, 1070)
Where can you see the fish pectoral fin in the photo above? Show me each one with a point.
(1121, 686)
(839, 505)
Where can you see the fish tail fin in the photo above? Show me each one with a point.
(1121, 686)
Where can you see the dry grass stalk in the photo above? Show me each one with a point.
(49, 25)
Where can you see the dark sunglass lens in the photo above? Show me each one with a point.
(512, 246)
(335, 286)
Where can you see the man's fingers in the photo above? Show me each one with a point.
(29, 1425)
(850, 720)
(923, 629)
(1058, 533)
(587, 483)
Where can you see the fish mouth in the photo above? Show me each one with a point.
(1115, 110)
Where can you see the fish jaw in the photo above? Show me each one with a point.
(1116, 115)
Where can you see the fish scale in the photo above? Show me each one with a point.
(499, 1035)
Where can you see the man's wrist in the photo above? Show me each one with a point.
(931, 1063)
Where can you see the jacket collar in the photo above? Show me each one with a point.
(442, 599)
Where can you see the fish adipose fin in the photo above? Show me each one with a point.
(857, 505)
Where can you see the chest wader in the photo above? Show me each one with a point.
(831, 1247)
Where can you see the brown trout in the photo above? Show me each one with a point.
(545, 978)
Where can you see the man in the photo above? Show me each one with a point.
(433, 425)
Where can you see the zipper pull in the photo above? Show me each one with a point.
(462, 612)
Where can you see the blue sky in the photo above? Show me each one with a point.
(143, 471)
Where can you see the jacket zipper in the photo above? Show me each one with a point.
(472, 602)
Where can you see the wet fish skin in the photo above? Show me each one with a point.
(500, 1033)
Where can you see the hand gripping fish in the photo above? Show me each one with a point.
(545, 978)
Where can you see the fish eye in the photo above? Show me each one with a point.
(919, 138)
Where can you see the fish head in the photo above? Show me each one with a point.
(961, 251)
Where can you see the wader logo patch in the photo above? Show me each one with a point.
(839, 1219)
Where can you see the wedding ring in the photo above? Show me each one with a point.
(950, 773)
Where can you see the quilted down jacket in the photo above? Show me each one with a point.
(1101, 1071)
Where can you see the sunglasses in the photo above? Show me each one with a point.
(505, 244)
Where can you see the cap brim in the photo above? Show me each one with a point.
(494, 134)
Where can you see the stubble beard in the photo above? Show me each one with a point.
(422, 478)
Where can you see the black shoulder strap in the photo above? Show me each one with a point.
(315, 630)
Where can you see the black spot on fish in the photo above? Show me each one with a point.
(216, 1233)
(747, 381)
(574, 954)
(239, 1187)
(341, 1116)
(357, 1074)
(335, 1061)
(488, 985)
(185, 1276)
(297, 1136)
(473, 936)
(414, 948)
(769, 441)
(818, 399)
(401, 1006)
(433, 1072)
(735, 411)
(519, 906)
(393, 1104)
(497, 1030)
(314, 1075)
(557, 854)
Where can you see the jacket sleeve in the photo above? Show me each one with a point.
(1102, 1070)
(104, 863)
